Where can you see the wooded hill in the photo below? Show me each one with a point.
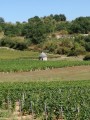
(50, 33)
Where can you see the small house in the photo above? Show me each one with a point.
(43, 56)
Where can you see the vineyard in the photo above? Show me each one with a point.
(51, 100)
(48, 100)
(31, 65)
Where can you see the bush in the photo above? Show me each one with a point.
(87, 46)
(62, 50)
(20, 46)
(13, 43)
(87, 57)
(77, 51)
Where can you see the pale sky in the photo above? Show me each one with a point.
(22, 10)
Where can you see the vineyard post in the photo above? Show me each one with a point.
(20, 108)
(9, 104)
(32, 110)
(45, 111)
(78, 110)
(61, 113)
(23, 99)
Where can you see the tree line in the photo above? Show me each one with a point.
(37, 30)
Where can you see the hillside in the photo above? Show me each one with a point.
(52, 34)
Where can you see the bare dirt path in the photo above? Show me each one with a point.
(67, 73)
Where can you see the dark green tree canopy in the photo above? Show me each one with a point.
(2, 20)
(60, 17)
(81, 25)
(12, 29)
(41, 29)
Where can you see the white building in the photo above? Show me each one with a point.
(43, 56)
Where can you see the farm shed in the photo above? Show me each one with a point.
(43, 56)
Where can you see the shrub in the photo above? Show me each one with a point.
(72, 53)
(77, 51)
(20, 46)
(87, 46)
(62, 50)
(13, 43)
(87, 57)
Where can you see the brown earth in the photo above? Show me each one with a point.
(67, 73)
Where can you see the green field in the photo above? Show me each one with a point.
(7, 53)
(50, 90)
(31, 65)
(66, 100)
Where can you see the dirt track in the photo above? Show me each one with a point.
(67, 73)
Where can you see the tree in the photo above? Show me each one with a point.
(2, 20)
(34, 30)
(87, 57)
(19, 27)
(87, 38)
(2, 24)
(11, 30)
(36, 33)
(60, 17)
(87, 46)
(0, 29)
(63, 26)
(34, 20)
(81, 25)
(50, 24)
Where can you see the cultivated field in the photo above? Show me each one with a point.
(52, 100)
(57, 89)
(60, 74)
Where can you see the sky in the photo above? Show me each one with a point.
(22, 10)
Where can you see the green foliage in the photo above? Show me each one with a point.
(87, 46)
(50, 24)
(77, 50)
(60, 17)
(51, 47)
(62, 26)
(12, 30)
(31, 65)
(40, 29)
(35, 30)
(51, 100)
(87, 38)
(60, 46)
(87, 57)
(80, 25)
(13, 43)
(2, 20)
(0, 29)
(6, 53)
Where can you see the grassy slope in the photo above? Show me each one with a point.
(6, 53)
(65, 77)
(19, 64)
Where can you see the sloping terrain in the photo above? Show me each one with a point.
(67, 73)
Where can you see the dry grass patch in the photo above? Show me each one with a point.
(67, 73)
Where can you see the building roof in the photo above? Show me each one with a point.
(42, 55)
